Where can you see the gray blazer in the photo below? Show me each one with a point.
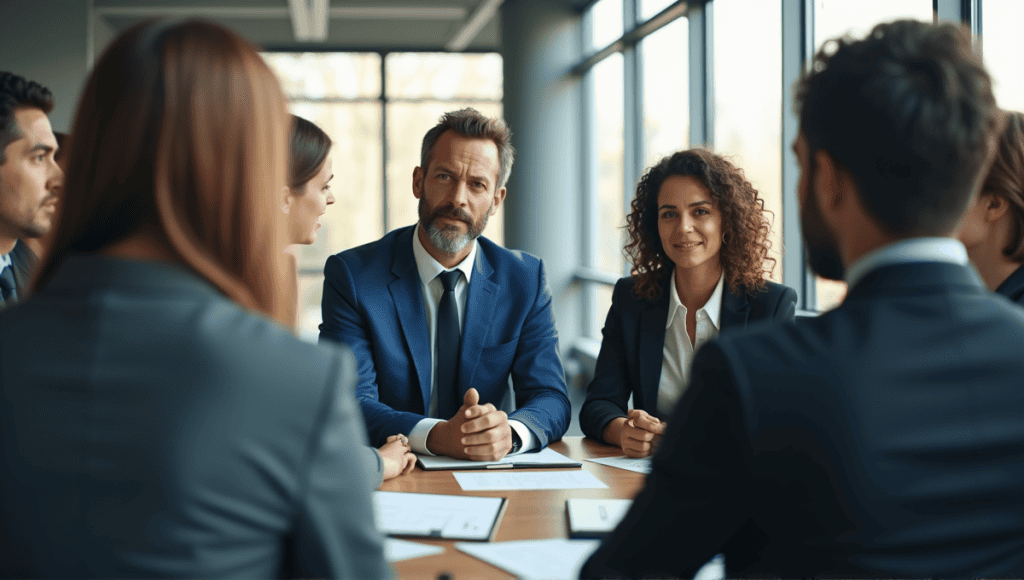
(149, 426)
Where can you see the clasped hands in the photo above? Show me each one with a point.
(638, 433)
(476, 432)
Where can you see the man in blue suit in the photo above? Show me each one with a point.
(439, 318)
(881, 439)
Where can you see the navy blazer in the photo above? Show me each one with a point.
(881, 439)
(1013, 287)
(373, 302)
(23, 262)
(150, 427)
(634, 340)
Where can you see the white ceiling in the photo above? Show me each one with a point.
(350, 24)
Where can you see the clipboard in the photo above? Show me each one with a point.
(594, 519)
(428, 515)
(541, 459)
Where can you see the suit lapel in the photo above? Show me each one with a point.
(651, 342)
(735, 309)
(480, 305)
(23, 260)
(407, 296)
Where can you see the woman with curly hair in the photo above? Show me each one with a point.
(698, 241)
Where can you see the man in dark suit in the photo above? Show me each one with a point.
(30, 179)
(882, 438)
(439, 318)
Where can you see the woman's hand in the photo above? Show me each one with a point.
(638, 433)
(398, 458)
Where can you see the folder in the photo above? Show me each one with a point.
(430, 515)
(543, 458)
(595, 518)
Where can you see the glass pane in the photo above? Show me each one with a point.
(666, 69)
(311, 289)
(606, 20)
(601, 299)
(833, 18)
(407, 124)
(1003, 45)
(748, 101)
(444, 76)
(608, 124)
(355, 217)
(318, 75)
(650, 8)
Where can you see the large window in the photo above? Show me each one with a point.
(1003, 45)
(664, 75)
(376, 109)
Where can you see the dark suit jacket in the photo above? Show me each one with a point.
(882, 439)
(1013, 287)
(23, 262)
(373, 302)
(151, 427)
(634, 339)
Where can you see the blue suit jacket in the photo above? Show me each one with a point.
(634, 339)
(881, 439)
(373, 302)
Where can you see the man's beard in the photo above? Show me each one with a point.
(450, 239)
(819, 243)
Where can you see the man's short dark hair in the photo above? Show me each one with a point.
(473, 124)
(908, 113)
(18, 93)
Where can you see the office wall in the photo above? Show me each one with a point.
(47, 41)
(542, 104)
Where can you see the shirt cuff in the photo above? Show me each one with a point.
(419, 433)
(525, 435)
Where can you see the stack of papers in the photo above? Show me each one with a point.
(595, 518)
(397, 550)
(535, 559)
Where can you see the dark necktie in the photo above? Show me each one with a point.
(446, 344)
(7, 290)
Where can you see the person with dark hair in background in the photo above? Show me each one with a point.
(882, 438)
(171, 426)
(30, 180)
(698, 239)
(440, 318)
(305, 200)
(993, 229)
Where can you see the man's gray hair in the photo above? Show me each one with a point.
(473, 124)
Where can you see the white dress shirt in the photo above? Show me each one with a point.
(5, 261)
(906, 251)
(432, 291)
(677, 356)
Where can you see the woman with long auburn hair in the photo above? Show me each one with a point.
(993, 229)
(157, 420)
(698, 241)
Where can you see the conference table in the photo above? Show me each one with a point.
(529, 515)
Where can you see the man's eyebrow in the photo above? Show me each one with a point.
(42, 147)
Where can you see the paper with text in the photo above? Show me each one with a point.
(457, 517)
(639, 465)
(519, 480)
(397, 550)
(535, 559)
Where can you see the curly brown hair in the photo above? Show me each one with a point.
(744, 253)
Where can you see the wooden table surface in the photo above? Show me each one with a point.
(530, 515)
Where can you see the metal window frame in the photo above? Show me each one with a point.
(383, 100)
